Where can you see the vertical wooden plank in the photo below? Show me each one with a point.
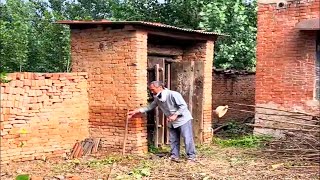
(191, 86)
(181, 79)
(161, 115)
(197, 101)
(156, 127)
(169, 87)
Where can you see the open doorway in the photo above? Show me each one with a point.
(158, 70)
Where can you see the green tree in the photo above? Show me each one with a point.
(14, 33)
(238, 20)
(49, 44)
(31, 41)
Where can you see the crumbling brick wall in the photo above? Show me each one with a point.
(285, 76)
(233, 87)
(42, 115)
(116, 62)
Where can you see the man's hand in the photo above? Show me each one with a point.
(132, 113)
(172, 118)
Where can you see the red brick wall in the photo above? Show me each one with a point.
(116, 62)
(285, 75)
(42, 115)
(233, 88)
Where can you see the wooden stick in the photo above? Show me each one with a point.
(220, 127)
(290, 129)
(110, 173)
(294, 112)
(281, 150)
(125, 134)
(272, 114)
(288, 122)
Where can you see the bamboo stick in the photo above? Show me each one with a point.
(290, 129)
(294, 112)
(306, 150)
(270, 114)
(288, 122)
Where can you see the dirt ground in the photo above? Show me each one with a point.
(213, 163)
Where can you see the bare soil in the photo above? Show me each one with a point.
(213, 163)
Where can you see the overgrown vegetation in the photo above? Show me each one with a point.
(233, 129)
(140, 171)
(154, 150)
(31, 41)
(248, 141)
(236, 134)
(102, 162)
(3, 77)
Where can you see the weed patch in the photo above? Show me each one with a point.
(249, 141)
(97, 164)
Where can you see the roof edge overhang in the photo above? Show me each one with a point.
(151, 28)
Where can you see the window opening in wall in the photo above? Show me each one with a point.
(318, 66)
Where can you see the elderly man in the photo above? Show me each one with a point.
(179, 117)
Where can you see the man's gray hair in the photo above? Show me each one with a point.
(157, 84)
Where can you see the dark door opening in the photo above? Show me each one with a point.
(158, 70)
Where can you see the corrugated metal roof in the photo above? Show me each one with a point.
(308, 24)
(150, 24)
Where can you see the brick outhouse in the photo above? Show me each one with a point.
(121, 57)
(288, 55)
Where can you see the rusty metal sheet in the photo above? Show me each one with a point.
(147, 24)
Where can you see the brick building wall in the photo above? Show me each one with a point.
(116, 62)
(233, 87)
(42, 115)
(286, 58)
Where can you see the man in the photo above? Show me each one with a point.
(179, 117)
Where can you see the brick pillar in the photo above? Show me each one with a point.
(116, 62)
(207, 95)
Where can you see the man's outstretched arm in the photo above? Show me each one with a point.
(143, 109)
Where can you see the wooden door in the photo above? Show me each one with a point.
(187, 78)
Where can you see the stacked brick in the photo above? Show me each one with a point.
(286, 61)
(229, 88)
(116, 62)
(42, 115)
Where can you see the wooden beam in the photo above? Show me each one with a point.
(164, 50)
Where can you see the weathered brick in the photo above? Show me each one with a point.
(286, 61)
(25, 104)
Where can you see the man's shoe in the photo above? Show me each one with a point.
(191, 160)
(175, 159)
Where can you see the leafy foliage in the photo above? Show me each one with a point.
(23, 177)
(238, 20)
(250, 141)
(31, 41)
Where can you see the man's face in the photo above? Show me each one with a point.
(155, 90)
